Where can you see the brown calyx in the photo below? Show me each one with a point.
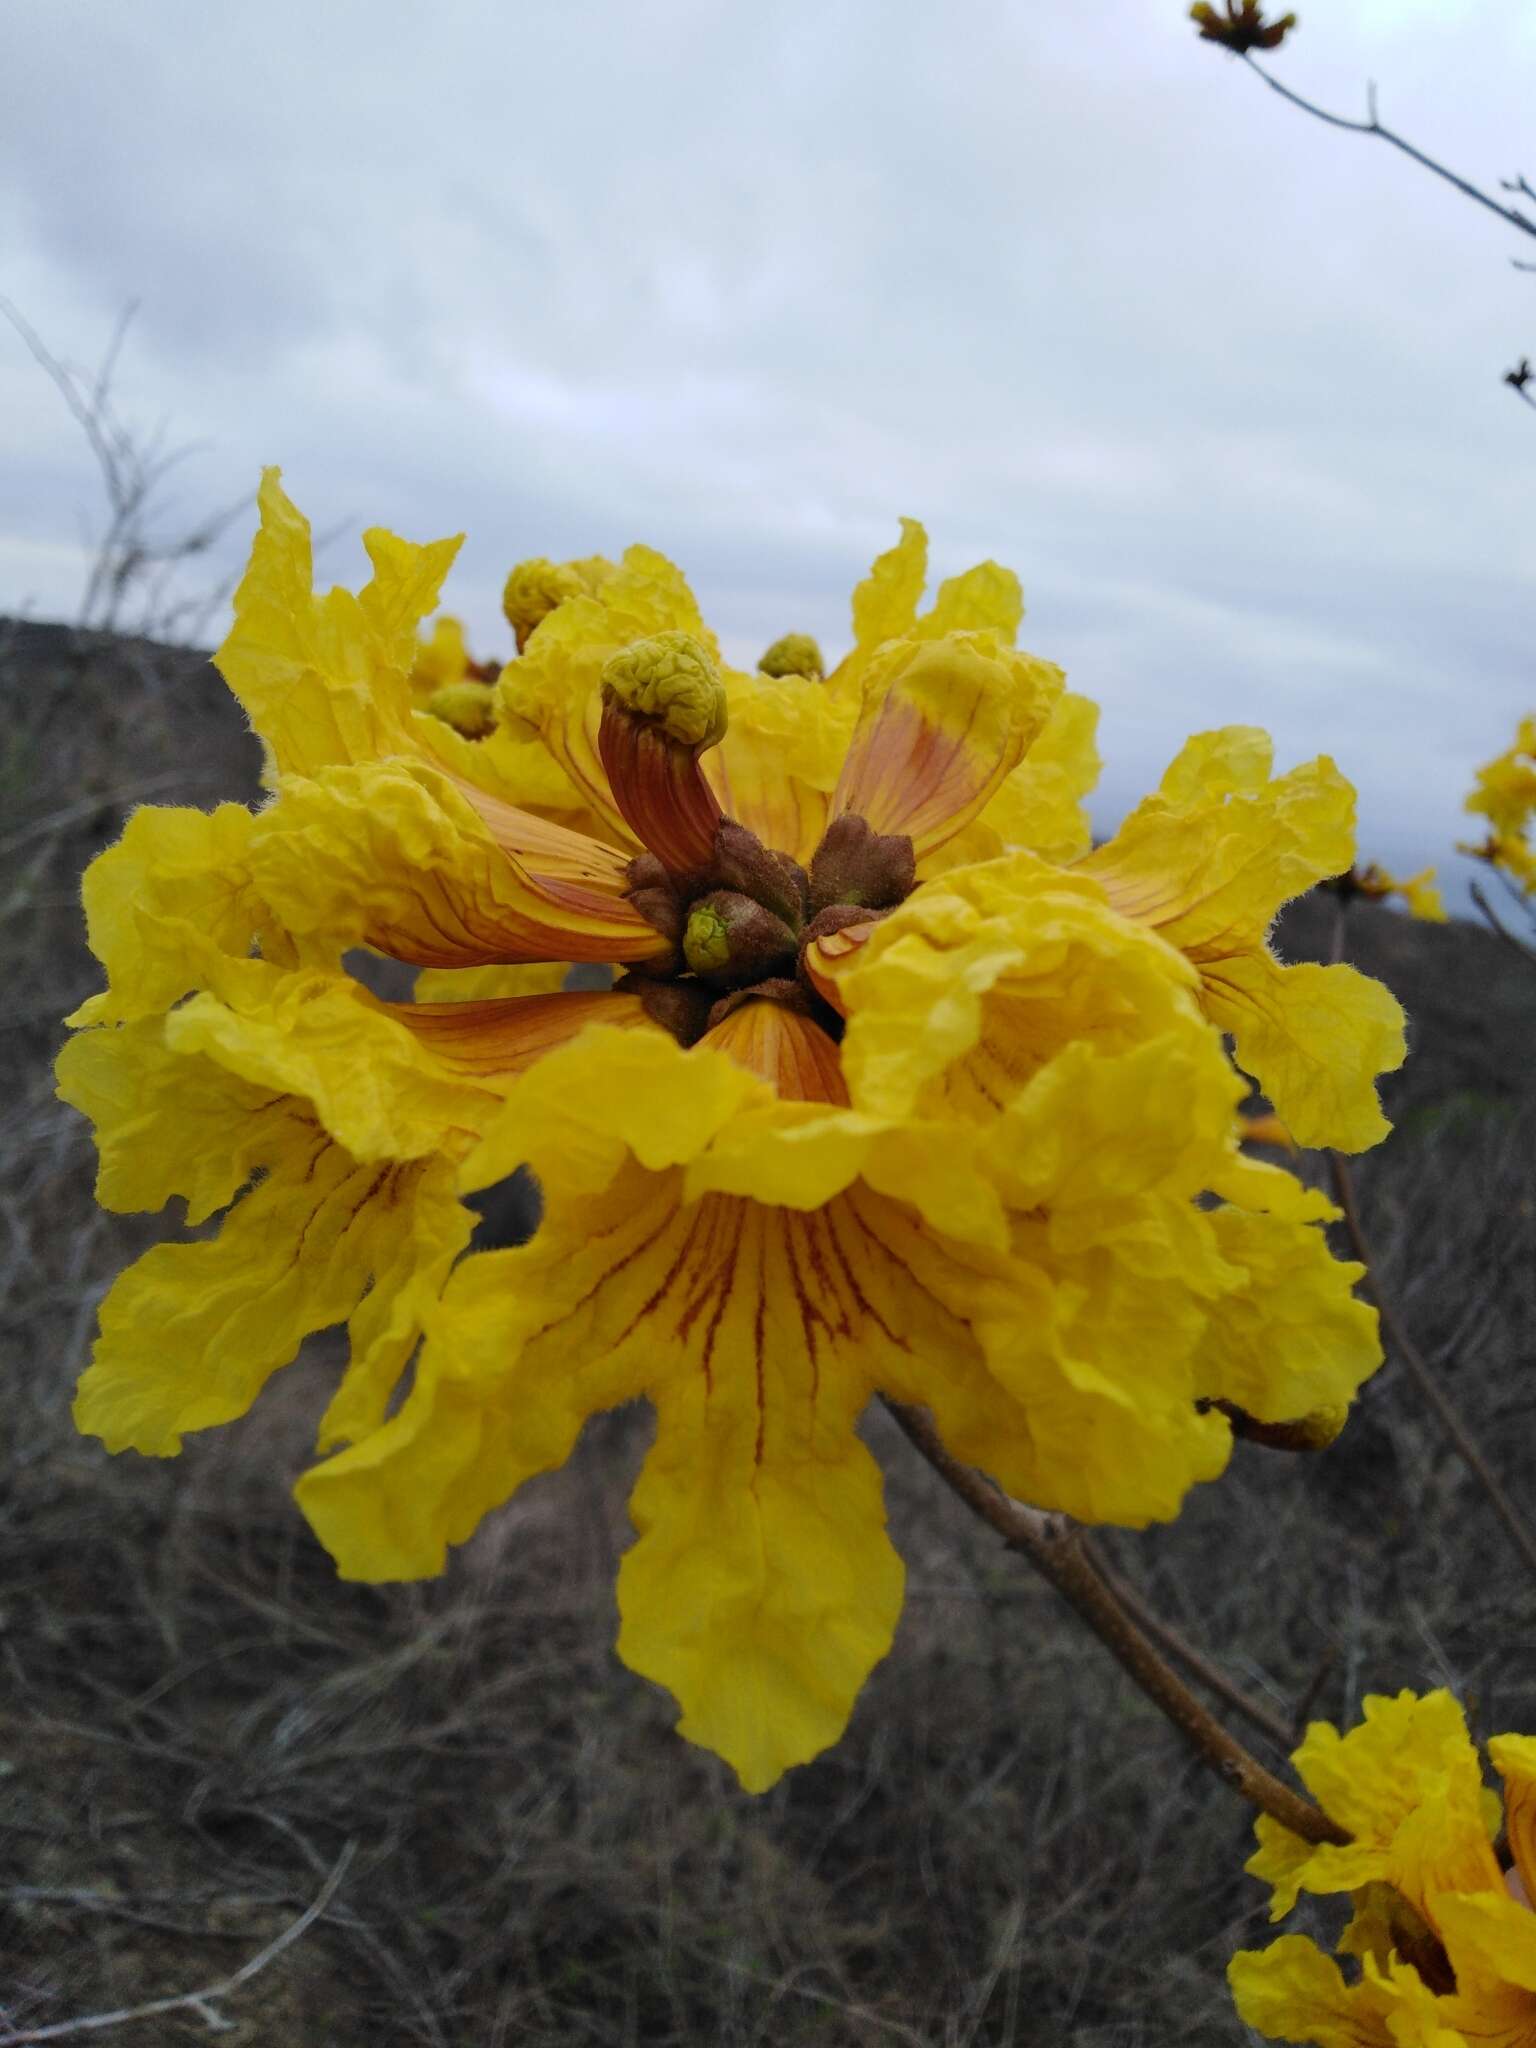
(685, 1008)
(742, 862)
(738, 921)
(858, 866)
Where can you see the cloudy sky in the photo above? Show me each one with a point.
(747, 282)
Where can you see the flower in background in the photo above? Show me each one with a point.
(859, 1114)
(1505, 795)
(1445, 1936)
(1417, 891)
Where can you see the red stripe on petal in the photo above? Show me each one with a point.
(502, 1036)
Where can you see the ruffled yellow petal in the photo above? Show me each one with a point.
(1292, 1340)
(963, 993)
(396, 856)
(1280, 1861)
(987, 598)
(1491, 1940)
(885, 603)
(394, 1080)
(610, 1094)
(1370, 1779)
(164, 905)
(1291, 1991)
(756, 1330)
(371, 1081)
(192, 1332)
(1100, 1183)
(413, 1255)
(1213, 765)
(1212, 867)
(1314, 1038)
(763, 1588)
(327, 679)
(1514, 1758)
(1094, 1131)
(496, 1397)
(1407, 1786)
(1207, 863)
(165, 1125)
(1098, 1362)
(942, 723)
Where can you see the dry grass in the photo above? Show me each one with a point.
(196, 1718)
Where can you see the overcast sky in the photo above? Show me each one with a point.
(747, 282)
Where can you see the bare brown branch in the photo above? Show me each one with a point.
(1054, 1547)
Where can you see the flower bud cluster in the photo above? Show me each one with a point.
(744, 920)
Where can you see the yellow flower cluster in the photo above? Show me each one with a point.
(1505, 795)
(901, 1088)
(1442, 1927)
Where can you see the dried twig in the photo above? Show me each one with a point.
(1182, 1651)
(129, 559)
(199, 2002)
(1309, 1697)
(1372, 126)
(1054, 1547)
(1512, 216)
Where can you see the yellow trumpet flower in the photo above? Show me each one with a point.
(857, 1116)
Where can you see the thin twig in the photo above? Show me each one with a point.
(87, 807)
(200, 2002)
(1423, 1375)
(1194, 1661)
(1372, 126)
(1308, 1700)
(1402, 1344)
(1497, 925)
(1054, 1547)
